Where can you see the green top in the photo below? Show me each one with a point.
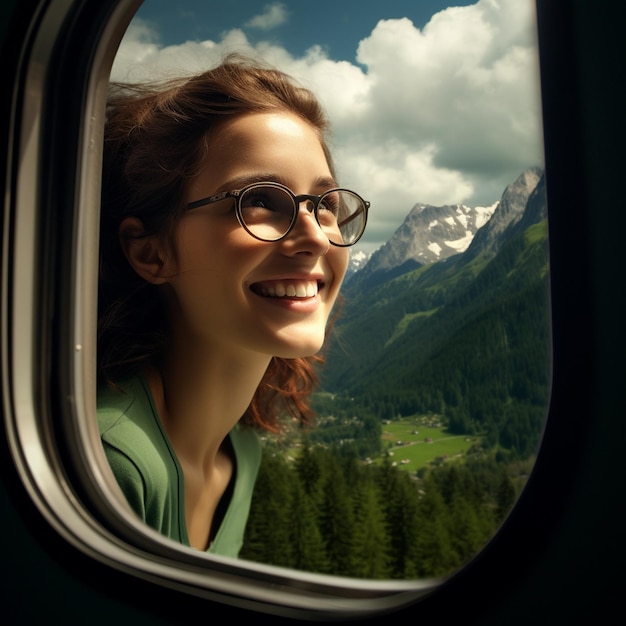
(150, 476)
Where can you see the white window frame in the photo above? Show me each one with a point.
(49, 398)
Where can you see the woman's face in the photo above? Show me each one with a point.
(229, 287)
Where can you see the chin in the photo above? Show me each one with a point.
(293, 342)
(304, 349)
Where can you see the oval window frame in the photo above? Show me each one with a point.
(49, 296)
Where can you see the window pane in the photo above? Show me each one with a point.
(432, 400)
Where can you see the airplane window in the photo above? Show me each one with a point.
(432, 398)
(438, 391)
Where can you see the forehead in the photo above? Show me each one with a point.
(253, 144)
(252, 128)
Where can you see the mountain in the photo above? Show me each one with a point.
(508, 213)
(358, 260)
(430, 234)
(427, 235)
(467, 337)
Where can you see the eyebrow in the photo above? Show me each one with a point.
(322, 182)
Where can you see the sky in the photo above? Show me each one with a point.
(429, 101)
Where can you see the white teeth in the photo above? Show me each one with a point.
(303, 289)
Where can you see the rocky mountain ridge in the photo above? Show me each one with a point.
(430, 233)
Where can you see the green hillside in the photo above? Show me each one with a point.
(467, 341)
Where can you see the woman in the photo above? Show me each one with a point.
(223, 244)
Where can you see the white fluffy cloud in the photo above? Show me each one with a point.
(445, 114)
(272, 16)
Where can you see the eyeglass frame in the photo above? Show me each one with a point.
(237, 194)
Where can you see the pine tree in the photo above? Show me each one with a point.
(434, 554)
(505, 497)
(399, 496)
(268, 530)
(371, 543)
(309, 470)
(464, 529)
(337, 520)
(308, 550)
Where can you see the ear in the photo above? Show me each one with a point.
(146, 254)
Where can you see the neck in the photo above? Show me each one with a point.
(201, 394)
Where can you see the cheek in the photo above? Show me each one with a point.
(201, 248)
(212, 264)
(338, 259)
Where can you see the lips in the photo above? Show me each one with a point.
(293, 289)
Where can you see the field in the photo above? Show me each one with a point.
(414, 444)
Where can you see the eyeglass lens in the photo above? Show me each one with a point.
(268, 213)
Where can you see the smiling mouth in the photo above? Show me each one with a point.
(296, 289)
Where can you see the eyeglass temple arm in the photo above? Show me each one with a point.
(211, 199)
(355, 215)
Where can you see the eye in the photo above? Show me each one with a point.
(265, 200)
(330, 203)
(329, 207)
(257, 199)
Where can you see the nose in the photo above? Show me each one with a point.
(307, 235)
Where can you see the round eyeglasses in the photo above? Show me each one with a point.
(269, 211)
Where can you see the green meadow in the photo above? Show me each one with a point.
(414, 444)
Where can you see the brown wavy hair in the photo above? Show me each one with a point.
(155, 139)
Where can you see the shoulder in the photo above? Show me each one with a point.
(113, 406)
(140, 455)
(131, 431)
(126, 411)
